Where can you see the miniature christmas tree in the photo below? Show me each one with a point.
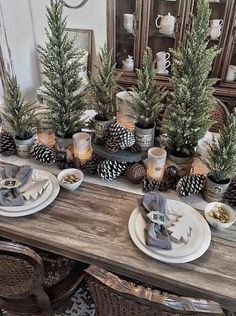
(222, 152)
(147, 97)
(103, 86)
(61, 61)
(19, 114)
(187, 119)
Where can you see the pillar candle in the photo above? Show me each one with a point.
(156, 163)
(82, 146)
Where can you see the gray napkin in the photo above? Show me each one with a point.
(13, 197)
(156, 235)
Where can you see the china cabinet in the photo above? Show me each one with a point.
(164, 25)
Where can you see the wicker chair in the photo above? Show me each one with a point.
(219, 116)
(117, 297)
(31, 286)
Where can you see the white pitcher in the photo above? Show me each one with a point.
(216, 28)
(167, 24)
(128, 64)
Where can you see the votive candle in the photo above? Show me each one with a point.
(82, 146)
(156, 163)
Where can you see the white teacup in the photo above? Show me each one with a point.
(162, 66)
(216, 28)
(162, 56)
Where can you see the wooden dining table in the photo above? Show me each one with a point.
(91, 225)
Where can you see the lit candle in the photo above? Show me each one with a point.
(156, 163)
(125, 114)
(47, 137)
(82, 146)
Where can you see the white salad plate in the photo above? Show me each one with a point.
(43, 201)
(197, 245)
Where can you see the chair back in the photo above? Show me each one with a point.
(219, 116)
(117, 297)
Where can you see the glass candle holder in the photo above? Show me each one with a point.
(156, 163)
(82, 146)
(47, 137)
(125, 114)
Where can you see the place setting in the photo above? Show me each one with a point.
(24, 190)
(168, 230)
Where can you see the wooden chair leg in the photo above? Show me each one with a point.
(44, 303)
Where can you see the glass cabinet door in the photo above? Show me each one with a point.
(220, 11)
(165, 24)
(126, 32)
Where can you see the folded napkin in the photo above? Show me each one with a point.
(13, 197)
(156, 234)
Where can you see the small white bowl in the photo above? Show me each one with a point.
(214, 222)
(67, 172)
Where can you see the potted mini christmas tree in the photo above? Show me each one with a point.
(221, 162)
(61, 61)
(20, 115)
(102, 88)
(146, 102)
(188, 117)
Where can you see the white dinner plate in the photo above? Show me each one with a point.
(196, 247)
(48, 201)
(40, 175)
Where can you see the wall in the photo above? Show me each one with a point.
(25, 22)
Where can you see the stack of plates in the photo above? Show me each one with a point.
(196, 246)
(42, 201)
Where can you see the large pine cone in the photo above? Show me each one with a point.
(90, 166)
(150, 185)
(231, 193)
(43, 154)
(109, 170)
(121, 135)
(112, 146)
(7, 144)
(136, 173)
(189, 185)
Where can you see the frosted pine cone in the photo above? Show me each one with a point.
(109, 170)
(189, 185)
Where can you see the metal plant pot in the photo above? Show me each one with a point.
(215, 192)
(183, 164)
(101, 126)
(144, 136)
(64, 143)
(23, 147)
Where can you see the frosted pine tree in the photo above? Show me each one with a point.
(187, 119)
(103, 86)
(61, 61)
(147, 96)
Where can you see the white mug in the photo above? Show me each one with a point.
(128, 23)
(162, 66)
(162, 56)
(231, 73)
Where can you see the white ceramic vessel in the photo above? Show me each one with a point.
(67, 172)
(214, 222)
(167, 24)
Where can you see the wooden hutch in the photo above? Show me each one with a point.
(145, 33)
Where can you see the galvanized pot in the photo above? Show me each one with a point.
(101, 126)
(144, 136)
(215, 192)
(183, 164)
(23, 147)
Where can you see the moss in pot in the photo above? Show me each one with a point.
(62, 85)
(146, 102)
(102, 89)
(221, 162)
(187, 118)
(20, 115)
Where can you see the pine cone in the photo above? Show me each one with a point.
(109, 170)
(77, 163)
(100, 141)
(135, 148)
(91, 166)
(43, 154)
(153, 185)
(121, 135)
(7, 144)
(136, 173)
(112, 146)
(231, 193)
(65, 164)
(189, 185)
